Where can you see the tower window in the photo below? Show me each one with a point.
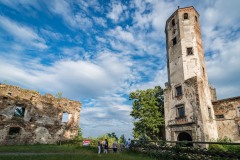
(190, 51)
(173, 22)
(196, 19)
(174, 40)
(185, 16)
(174, 31)
(65, 117)
(180, 111)
(178, 91)
(209, 113)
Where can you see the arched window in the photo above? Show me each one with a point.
(173, 22)
(185, 16)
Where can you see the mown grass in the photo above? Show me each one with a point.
(63, 152)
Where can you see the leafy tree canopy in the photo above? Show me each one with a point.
(148, 113)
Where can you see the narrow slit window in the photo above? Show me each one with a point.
(19, 111)
(185, 15)
(173, 22)
(219, 116)
(174, 40)
(196, 19)
(209, 113)
(189, 51)
(65, 117)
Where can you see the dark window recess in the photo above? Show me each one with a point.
(190, 51)
(173, 22)
(185, 16)
(19, 111)
(174, 40)
(209, 113)
(14, 130)
(219, 116)
(179, 91)
(174, 31)
(9, 93)
(196, 19)
(180, 111)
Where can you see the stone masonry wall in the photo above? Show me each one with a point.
(227, 115)
(41, 121)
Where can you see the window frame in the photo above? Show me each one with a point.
(176, 91)
(189, 53)
(179, 112)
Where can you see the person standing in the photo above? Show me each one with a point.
(115, 146)
(99, 147)
(106, 146)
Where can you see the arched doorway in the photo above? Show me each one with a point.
(184, 136)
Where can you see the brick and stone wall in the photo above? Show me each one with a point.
(26, 117)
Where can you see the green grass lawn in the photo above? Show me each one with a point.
(56, 152)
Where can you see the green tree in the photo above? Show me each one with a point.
(148, 112)
(112, 135)
(79, 136)
(122, 139)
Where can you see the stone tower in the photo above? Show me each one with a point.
(189, 113)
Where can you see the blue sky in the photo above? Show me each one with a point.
(97, 52)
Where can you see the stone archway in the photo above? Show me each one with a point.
(184, 136)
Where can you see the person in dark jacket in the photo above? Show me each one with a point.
(106, 146)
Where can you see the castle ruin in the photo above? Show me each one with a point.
(26, 117)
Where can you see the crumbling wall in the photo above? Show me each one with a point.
(227, 115)
(26, 117)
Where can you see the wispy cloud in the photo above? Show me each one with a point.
(22, 33)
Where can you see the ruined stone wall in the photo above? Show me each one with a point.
(26, 117)
(227, 115)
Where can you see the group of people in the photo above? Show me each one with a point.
(103, 146)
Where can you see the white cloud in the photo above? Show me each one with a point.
(116, 11)
(22, 34)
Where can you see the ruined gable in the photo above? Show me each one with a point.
(26, 117)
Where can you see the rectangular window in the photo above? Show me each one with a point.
(14, 131)
(180, 111)
(219, 116)
(189, 51)
(174, 40)
(238, 111)
(178, 91)
(65, 117)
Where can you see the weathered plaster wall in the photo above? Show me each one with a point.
(42, 120)
(229, 124)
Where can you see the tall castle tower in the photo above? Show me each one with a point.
(189, 113)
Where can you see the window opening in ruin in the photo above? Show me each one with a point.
(196, 19)
(209, 113)
(203, 70)
(173, 22)
(19, 111)
(174, 40)
(14, 130)
(219, 116)
(178, 90)
(180, 111)
(65, 117)
(189, 51)
(185, 16)
(9, 93)
(238, 111)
